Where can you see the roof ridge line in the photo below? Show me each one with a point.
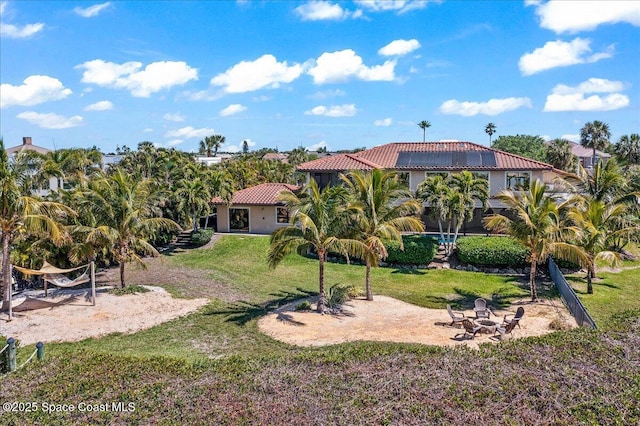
(364, 161)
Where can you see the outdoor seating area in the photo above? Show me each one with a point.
(481, 323)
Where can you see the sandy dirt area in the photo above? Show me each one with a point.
(68, 315)
(391, 320)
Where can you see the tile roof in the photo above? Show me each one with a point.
(580, 151)
(386, 157)
(275, 156)
(265, 194)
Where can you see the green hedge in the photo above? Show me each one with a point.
(491, 251)
(418, 250)
(201, 237)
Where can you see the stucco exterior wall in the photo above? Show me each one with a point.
(262, 219)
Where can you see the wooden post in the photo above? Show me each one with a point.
(40, 353)
(11, 354)
(93, 282)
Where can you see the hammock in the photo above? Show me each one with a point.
(53, 275)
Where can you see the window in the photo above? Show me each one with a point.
(481, 175)
(239, 220)
(405, 179)
(282, 215)
(518, 180)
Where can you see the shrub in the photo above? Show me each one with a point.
(303, 306)
(132, 289)
(418, 250)
(340, 293)
(491, 251)
(201, 237)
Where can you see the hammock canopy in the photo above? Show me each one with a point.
(47, 269)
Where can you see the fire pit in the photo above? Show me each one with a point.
(487, 326)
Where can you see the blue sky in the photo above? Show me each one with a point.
(335, 74)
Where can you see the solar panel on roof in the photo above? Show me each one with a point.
(488, 158)
(445, 159)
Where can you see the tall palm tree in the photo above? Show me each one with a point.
(126, 215)
(318, 221)
(424, 125)
(384, 208)
(628, 148)
(213, 142)
(490, 129)
(605, 182)
(598, 221)
(559, 155)
(537, 221)
(452, 201)
(20, 213)
(595, 135)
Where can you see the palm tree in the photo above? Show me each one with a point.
(490, 129)
(628, 148)
(126, 215)
(23, 214)
(194, 198)
(318, 221)
(605, 182)
(595, 135)
(424, 125)
(598, 222)
(559, 155)
(213, 142)
(384, 209)
(537, 221)
(452, 201)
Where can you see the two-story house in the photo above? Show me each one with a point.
(415, 161)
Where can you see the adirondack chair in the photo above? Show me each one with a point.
(517, 317)
(481, 309)
(470, 329)
(456, 316)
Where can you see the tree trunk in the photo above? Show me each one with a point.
(6, 279)
(367, 280)
(321, 297)
(122, 275)
(532, 281)
(590, 275)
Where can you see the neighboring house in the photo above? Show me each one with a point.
(208, 161)
(585, 155)
(415, 161)
(276, 156)
(255, 210)
(27, 145)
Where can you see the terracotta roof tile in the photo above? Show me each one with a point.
(386, 157)
(265, 194)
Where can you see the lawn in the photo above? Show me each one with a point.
(215, 367)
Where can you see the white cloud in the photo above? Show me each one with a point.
(148, 130)
(174, 142)
(574, 16)
(14, 31)
(265, 71)
(189, 132)
(232, 109)
(99, 106)
(322, 10)
(91, 11)
(50, 120)
(491, 107)
(345, 64)
(140, 82)
(317, 146)
(399, 47)
(327, 94)
(399, 6)
(560, 54)
(566, 98)
(385, 122)
(36, 89)
(175, 117)
(347, 110)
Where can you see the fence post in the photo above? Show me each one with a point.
(40, 348)
(11, 354)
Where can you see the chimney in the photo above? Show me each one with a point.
(26, 140)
